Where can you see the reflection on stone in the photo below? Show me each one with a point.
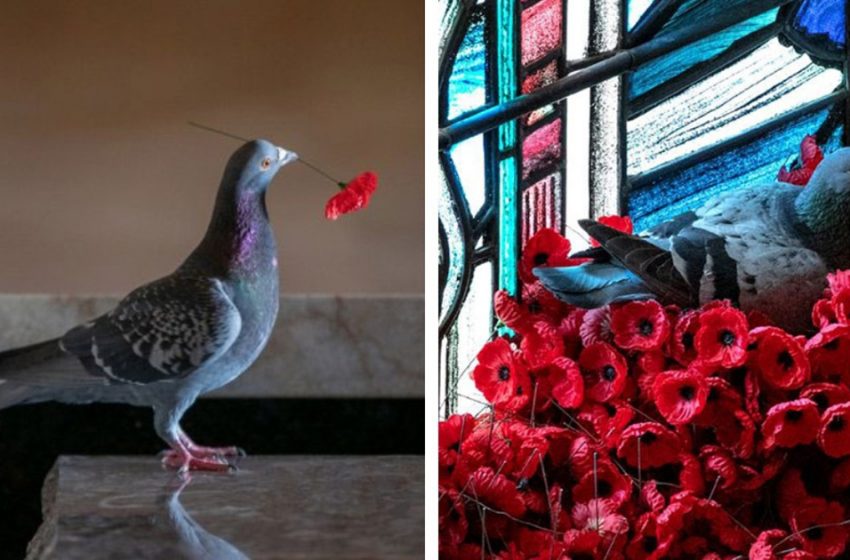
(195, 541)
(274, 507)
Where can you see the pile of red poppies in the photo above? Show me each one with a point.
(645, 432)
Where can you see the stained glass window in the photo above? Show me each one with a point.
(723, 98)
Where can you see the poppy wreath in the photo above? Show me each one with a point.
(643, 431)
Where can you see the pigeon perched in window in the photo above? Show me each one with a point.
(180, 336)
(766, 247)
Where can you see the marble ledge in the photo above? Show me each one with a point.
(274, 507)
(323, 346)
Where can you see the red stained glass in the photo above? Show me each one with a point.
(541, 206)
(541, 147)
(541, 29)
(542, 77)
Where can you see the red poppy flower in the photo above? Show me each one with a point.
(606, 483)
(682, 347)
(639, 325)
(823, 314)
(501, 377)
(719, 466)
(651, 497)
(353, 196)
(700, 524)
(620, 223)
(834, 434)
(510, 312)
(680, 395)
(567, 383)
(453, 523)
(821, 527)
(496, 491)
(791, 423)
(779, 358)
(721, 339)
(648, 445)
(720, 403)
(829, 354)
(825, 395)
(837, 280)
(540, 304)
(540, 345)
(596, 326)
(810, 157)
(764, 547)
(737, 433)
(604, 372)
(644, 544)
(452, 432)
(607, 420)
(600, 516)
(841, 306)
(546, 248)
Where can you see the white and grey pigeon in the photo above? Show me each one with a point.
(178, 337)
(765, 247)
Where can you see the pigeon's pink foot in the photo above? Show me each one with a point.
(183, 462)
(207, 452)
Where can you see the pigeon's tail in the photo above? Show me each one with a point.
(17, 383)
(592, 285)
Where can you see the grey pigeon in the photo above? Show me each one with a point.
(178, 337)
(766, 247)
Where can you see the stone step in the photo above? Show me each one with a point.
(274, 507)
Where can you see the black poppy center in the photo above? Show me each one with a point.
(645, 327)
(832, 344)
(727, 337)
(687, 392)
(713, 395)
(688, 340)
(504, 373)
(522, 485)
(815, 533)
(540, 259)
(609, 373)
(836, 424)
(650, 543)
(455, 447)
(821, 400)
(647, 438)
(793, 415)
(534, 306)
(603, 489)
(785, 359)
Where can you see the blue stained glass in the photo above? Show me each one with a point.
(822, 17)
(669, 66)
(635, 10)
(467, 88)
(756, 162)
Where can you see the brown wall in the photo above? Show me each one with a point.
(103, 186)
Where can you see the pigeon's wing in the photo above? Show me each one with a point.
(164, 330)
(651, 263)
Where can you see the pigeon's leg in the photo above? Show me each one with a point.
(202, 451)
(180, 457)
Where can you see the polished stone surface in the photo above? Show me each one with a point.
(322, 346)
(274, 507)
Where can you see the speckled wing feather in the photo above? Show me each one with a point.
(163, 330)
(651, 263)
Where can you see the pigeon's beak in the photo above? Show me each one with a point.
(285, 156)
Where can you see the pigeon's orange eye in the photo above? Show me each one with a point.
(266, 163)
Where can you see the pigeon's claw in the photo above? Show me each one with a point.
(229, 452)
(182, 461)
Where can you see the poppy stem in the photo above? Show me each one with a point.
(312, 166)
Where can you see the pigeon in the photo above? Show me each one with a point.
(765, 248)
(178, 337)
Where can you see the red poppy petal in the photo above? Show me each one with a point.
(354, 196)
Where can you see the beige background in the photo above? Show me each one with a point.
(103, 186)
